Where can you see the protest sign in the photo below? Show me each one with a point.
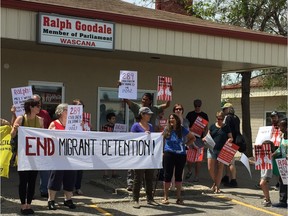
(5, 150)
(244, 159)
(198, 126)
(164, 88)
(282, 166)
(74, 118)
(227, 153)
(209, 141)
(263, 158)
(42, 149)
(19, 96)
(195, 155)
(120, 127)
(87, 121)
(264, 133)
(128, 87)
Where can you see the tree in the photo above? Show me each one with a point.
(264, 15)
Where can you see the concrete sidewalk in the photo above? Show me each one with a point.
(97, 190)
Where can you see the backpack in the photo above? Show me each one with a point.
(240, 141)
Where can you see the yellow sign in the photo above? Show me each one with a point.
(5, 150)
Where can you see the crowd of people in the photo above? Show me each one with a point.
(177, 140)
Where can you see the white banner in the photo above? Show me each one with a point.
(43, 149)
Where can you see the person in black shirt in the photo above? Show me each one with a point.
(192, 116)
(233, 122)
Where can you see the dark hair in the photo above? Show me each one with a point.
(30, 103)
(110, 115)
(270, 143)
(284, 122)
(76, 101)
(169, 128)
(149, 95)
(197, 102)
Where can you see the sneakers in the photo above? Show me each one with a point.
(280, 205)
(225, 180)
(51, 205)
(188, 175)
(152, 202)
(70, 204)
(136, 205)
(266, 203)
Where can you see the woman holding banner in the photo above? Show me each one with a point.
(27, 179)
(175, 138)
(220, 133)
(59, 177)
(143, 125)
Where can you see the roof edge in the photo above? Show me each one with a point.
(132, 20)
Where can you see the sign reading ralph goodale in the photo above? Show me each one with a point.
(75, 32)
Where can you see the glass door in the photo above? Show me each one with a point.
(52, 94)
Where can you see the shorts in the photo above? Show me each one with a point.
(212, 154)
(266, 174)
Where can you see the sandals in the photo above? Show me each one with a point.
(179, 202)
(165, 201)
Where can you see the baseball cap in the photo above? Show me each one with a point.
(227, 105)
(274, 113)
(145, 110)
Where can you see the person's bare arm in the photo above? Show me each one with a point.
(16, 124)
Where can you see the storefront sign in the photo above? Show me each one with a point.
(75, 32)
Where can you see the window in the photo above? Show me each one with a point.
(268, 119)
(108, 101)
(52, 94)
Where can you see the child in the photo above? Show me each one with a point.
(266, 175)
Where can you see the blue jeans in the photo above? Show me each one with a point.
(44, 177)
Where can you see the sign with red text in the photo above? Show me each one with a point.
(227, 153)
(282, 166)
(43, 149)
(128, 87)
(263, 158)
(164, 92)
(198, 126)
(75, 32)
(74, 118)
(19, 96)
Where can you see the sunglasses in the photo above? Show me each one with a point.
(180, 109)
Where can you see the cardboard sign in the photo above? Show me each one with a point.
(164, 92)
(74, 118)
(227, 153)
(198, 127)
(128, 87)
(19, 96)
(282, 166)
(263, 158)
